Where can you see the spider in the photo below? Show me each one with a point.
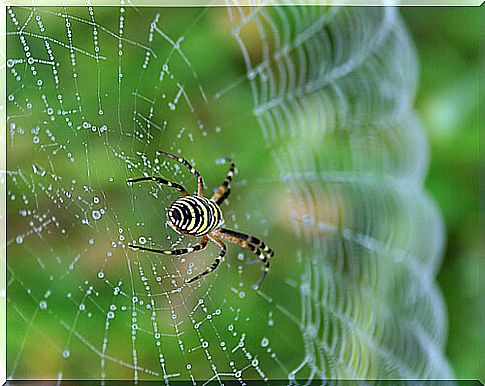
(198, 216)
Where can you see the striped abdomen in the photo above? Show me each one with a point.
(194, 215)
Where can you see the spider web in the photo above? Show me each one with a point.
(322, 94)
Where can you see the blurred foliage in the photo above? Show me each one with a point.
(448, 104)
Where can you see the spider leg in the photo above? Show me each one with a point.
(216, 262)
(200, 181)
(224, 196)
(223, 190)
(250, 239)
(244, 241)
(162, 181)
(177, 252)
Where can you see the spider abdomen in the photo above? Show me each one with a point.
(194, 215)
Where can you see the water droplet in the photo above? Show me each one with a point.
(101, 274)
(264, 342)
(66, 353)
(43, 305)
(19, 239)
(96, 214)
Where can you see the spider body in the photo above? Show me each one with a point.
(198, 216)
(195, 216)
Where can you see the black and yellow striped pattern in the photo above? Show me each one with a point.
(194, 215)
(222, 192)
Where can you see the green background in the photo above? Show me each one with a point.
(446, 40)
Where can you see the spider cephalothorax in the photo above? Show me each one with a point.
(198, 216)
